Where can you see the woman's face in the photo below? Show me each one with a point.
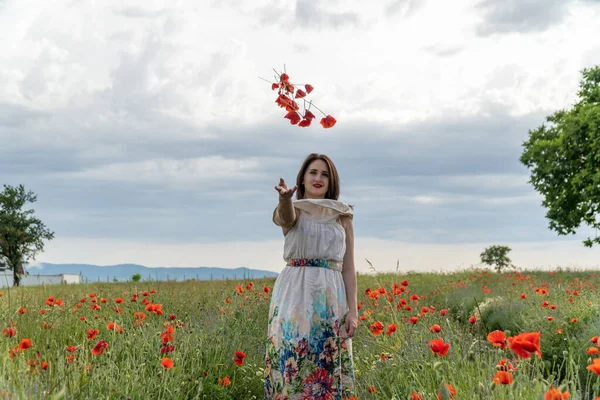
(316, 180)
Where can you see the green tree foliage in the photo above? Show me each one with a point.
(564, 159)
(136, 277)
(496, 256)
(22, 235)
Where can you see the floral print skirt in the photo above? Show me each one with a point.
(305, 357)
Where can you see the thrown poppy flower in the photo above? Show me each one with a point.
(328, 121)
(308, 88)
(300, 94)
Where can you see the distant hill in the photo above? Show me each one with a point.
(123, 272)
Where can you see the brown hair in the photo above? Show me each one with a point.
(333, 190)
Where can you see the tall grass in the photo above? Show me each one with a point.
(214, 319)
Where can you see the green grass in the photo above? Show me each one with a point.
(209, 330)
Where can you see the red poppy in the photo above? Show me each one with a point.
(438, 347)
(555, 394)
(167, 363)
(526, 344)
(413, 320)
(451, 392)
(376, 328)
(595, 366)
(391, 329)
(239, 358)
(118, 300)
(10, 332)
(497, 338)
(224, 382)
(416, 396)
(300, 94)
(293, 117)
(503, 378)
(308, 88)
(435, 328)
(91, 333)
(592, 351)
(25, 344)
(328, 121)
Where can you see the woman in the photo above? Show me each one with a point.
(313, 312)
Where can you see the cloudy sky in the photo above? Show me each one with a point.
(149, 138)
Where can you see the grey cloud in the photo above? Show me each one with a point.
(308, 13)
(522, 16)
(389, 176)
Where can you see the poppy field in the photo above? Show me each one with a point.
(473, 334)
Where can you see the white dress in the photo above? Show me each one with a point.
(305, 358)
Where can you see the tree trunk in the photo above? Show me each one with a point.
(16, 278)
(17, 272)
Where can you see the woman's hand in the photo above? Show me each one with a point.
(350, 324)
(283, 190)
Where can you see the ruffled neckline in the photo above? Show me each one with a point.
(336, 205)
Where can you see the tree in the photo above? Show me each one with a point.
(136, 277)
(496, 256)
(564, 158)
(22, 235)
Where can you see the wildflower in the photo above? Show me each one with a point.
(497, 338)
(503, 378)
(99, 347)
(25, 344)
(555, 394)
(595, 366)
(167, 363)
(526, 344)
(438, 347)
(376, 328)
(449, 390)
(91, 333)
(224, 382)
(391, 329)
(239, 358)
